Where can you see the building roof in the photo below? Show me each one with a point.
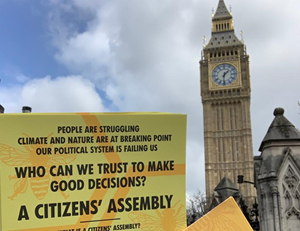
(223, 39)
(226, 183)
(224, 190)
(280, 129)
(222, 11)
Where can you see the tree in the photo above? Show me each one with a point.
(196, 207)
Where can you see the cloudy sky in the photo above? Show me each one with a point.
(143, 55)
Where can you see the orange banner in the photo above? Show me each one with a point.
(226, 216)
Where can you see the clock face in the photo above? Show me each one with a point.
(224, 74)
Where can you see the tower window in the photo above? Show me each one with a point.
(222, 37)
(224, 151)
(222, 119)
(231, 52)
(218, 122)
(235, 118)
(226, 41)
(219, 151)
(234, 40)
(230, 116)
(212, 43)
(227, 52)
(232, 146)
(229, 36)
(237, 150)
(236, 52)
(215, 38)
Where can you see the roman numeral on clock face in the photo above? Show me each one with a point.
(224, 74)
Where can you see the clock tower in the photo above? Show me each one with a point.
(225, 92)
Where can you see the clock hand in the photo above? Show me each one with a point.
(225, 73)
(224, 78)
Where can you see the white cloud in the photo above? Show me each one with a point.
(62, 94)
(10, 98)
(144, 55)
(87, 52)
(149, 60)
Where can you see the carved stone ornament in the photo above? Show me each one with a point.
(262, 193)
(293, 211)
(291, 179)
(287, 150)
(291, 193)
(274, 190)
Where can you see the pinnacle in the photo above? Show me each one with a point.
(221, 11)
(278, 111)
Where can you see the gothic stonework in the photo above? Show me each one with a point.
(277, 174)
(225, 91)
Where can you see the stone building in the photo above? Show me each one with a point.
(277, 176)
(223, 191)
(225, 92)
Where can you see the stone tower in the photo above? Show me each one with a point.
(225, 91)
(277, 174)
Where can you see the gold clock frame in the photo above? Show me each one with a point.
(236, 84)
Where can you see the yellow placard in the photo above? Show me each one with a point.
(92, 171)
(226, 216)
